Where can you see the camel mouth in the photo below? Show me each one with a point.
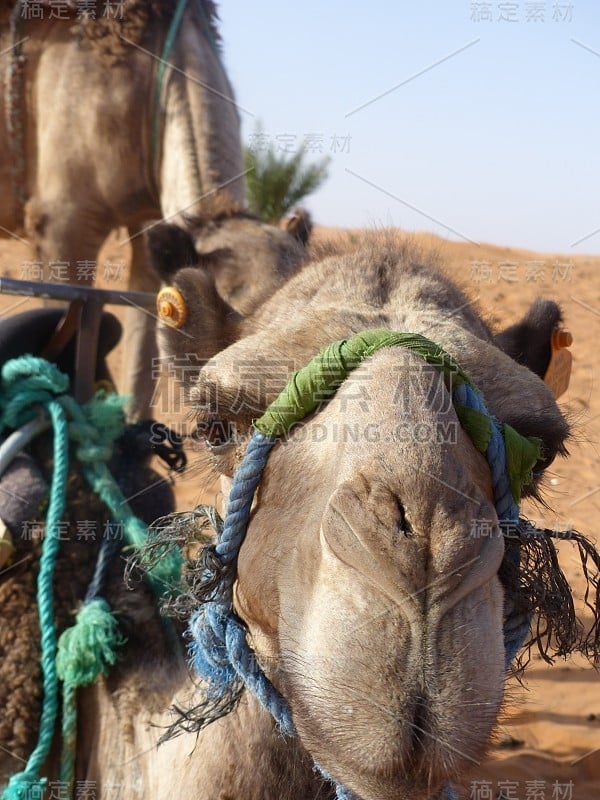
(415, 764)
(433, 661)
(426, 709)
(420, 729)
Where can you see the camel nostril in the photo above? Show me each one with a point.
(404, 525)
(418, 724)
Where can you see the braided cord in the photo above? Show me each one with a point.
(516, 628)
(220, 649)
(246, 481)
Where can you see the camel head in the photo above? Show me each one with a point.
(370, 575)
(382, 626)
(247, 258)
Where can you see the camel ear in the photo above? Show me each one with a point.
(171, 248)
(528, 341)
(299, 225)
(514, 394)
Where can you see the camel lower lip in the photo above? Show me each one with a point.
(413, 760)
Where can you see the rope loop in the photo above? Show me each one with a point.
(26, 383)
(31, 372)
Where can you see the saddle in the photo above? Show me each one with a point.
(51, 334)
(47, 332)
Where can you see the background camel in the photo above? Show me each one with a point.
(394, 688)
(103, 125)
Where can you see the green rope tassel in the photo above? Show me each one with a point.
(89, 648)
(85, 651)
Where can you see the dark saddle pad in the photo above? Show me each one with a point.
(30, 332)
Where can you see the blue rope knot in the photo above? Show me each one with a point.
(210, 655)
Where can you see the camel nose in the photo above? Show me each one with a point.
(425, 571)
(421, 615)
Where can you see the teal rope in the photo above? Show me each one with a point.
(21, 784)
(89, 648)
(164, 576)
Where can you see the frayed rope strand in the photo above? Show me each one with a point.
(85, 651)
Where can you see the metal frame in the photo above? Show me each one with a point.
(86, 304)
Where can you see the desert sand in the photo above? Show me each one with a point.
(547, 746)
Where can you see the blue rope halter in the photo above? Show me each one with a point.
(220, 651)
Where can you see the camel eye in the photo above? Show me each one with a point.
(403, 524)
(216, 433)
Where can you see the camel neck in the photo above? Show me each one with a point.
(242, 755)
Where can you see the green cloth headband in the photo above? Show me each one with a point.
(321, 377)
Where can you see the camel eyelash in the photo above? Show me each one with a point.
(217, 433)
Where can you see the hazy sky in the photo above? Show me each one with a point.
(492, 132)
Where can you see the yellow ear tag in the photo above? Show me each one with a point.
(559, 369)
(171, 307)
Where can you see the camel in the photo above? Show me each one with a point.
(369, 599)
(106, 125)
